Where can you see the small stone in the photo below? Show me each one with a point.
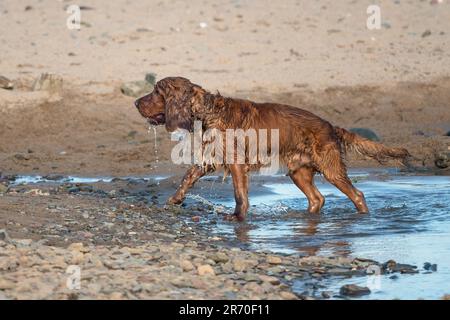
(186, 265)
(326, 294)
(286, 295)
(73, 190)
(442, 160)
(21, 157)
(195, 218)
(273, 260)
(205, 270)
(219, 257)
(3, 188)
(426, 33)
(353, 290)
(430, 266)
(5, 83)
(4, 236)
(21, 243)
(269, 279)
(78, 246)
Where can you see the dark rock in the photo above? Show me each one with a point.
(53, 177)
(151, 78)
(426, 33)
(430, 266)
(352, 290)
(392, 266)
(366, 133)
(73, 190)
(442, 160)
(4, 235)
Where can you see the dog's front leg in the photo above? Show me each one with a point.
(190, 178)
(239, 172)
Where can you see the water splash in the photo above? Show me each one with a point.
(216, 208)
(155, 146)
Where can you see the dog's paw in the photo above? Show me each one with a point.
(174, 200)
(233, 218)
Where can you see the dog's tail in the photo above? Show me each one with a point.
(353, 142)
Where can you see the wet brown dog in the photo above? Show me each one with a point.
(307, 143)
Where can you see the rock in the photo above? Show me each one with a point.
(269, 279)
(442, 160)
(195, 218)
(365, 133)
(239, 265)
(21, 157)
(186, 265)
(429, 266)
(3, 188)
(326, 294)
(353, 290)
(151, 78)
(426, 33)
(136, 88)
(73, 190)
(54, 177)
(5, 83)
(392, 266)
(78, 246)
(205, 270)
(286, 295)
(446, 297)
(4, 236)
(22, 243)
(48, 82)
(273, 260)
(219, 257)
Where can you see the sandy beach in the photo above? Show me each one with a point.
(315, 55)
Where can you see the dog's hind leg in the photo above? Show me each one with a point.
(334, 170)
(303, 178)
(190, 178)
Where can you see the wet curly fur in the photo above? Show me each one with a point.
(308, 144)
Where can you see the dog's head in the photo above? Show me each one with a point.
(170, 103)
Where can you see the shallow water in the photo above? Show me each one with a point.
(30, 179)
(409, 222)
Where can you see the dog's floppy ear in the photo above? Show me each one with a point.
(178, 111)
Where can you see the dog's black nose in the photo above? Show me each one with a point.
(136, 103)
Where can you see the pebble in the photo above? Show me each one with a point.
(286, 295)
(273, 260)
(186, 265)
(269, 279)
(5, 83)
(353, 290)
(3, 188)
(205, 270)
